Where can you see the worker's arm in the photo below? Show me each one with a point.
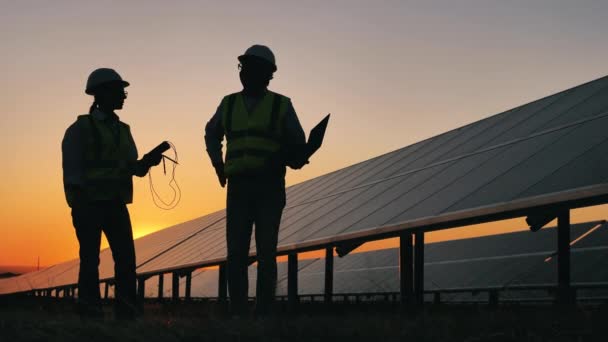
(214, 135)
(72, 154)
(294, 139)
(140, 167)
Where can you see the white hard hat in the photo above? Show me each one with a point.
(260, 51)
(101, 76)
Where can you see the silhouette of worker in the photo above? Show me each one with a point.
(99, 160)
(262, 132)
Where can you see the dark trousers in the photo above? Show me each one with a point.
(260, 202)
(111, 217)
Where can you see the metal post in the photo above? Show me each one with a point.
(292, 279)
(161, 285)
(329, 274)
(188, 285)
(106, 290)
(406, 271)
(175, 286)
(222, 290)
(437, 297)
(419, 268)
(493, 298)
(141, 289)
(563, 257)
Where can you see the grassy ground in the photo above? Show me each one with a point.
(55, 321)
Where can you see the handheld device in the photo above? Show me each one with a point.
(315, 139)
(160, 148)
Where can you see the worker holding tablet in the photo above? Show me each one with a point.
(263, 136)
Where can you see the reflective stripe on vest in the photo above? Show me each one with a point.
(253, 138)
(107, 157)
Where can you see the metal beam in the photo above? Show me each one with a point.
(188, 285)
(329, 274)
(563, 258)
(493, 298)
(161, 286)
(419, 268)
(175, 286)
(573, 198)
(292, 279)
(141, 289)
(406, 272)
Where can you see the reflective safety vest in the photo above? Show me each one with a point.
(109, 159)
(254, 139)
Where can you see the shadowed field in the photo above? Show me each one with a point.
(51, 320)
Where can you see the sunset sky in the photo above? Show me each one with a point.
(390, 72)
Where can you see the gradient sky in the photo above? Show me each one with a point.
(390, 72)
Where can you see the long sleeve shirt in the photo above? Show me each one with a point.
(293, 136)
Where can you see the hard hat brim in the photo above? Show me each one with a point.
(243, 58)
(92, 90)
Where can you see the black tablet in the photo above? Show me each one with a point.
(315, 139)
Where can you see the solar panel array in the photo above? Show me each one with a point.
(543, 148)
(505, 260)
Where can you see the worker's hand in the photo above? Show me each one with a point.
(296, 165)
(295, 156)
(152, 159)
(219, 171)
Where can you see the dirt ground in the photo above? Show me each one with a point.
(55, 320)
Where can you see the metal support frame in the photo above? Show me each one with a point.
(563, 258)
(493, 298)
(161, 286)
(406, 272)
(222, 288)
(188, 285)
(175, 286)
(292, 279)
(437, 298)
(419, 268)
(329, 274)
(141, 288)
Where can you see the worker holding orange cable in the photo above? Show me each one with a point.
(99, 160)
